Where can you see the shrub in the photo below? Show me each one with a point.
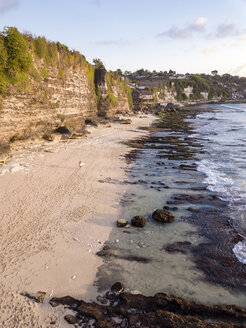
(112, 99)
(3, 55)
(55, 105)
(61, 117)
(44, 72)
(60, 74)
(91, 74)
(40, 47)
(19, 58)
(129, 96)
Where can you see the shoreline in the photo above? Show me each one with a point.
(54, 220)
(126, 309)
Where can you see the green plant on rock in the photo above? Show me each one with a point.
(111, 98)
(61, 117)
(98, 63)
(91, 74)
(44, 72)
(60, 74)
(55, 105)
(1, 104)
(129, 97)
(3, 55)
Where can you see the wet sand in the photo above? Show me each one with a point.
(55, 216)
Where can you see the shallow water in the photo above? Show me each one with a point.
(171, 163)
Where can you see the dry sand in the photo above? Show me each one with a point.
(54, 217)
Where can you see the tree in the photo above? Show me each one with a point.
(3, 55)
(18, 55)
(119, 71)
(98, 63)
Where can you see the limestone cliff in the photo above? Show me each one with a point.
(113, 94)
(56, 90)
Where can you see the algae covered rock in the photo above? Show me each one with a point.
(163, 216)
(138, 221)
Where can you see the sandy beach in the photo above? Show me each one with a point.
(55, 216)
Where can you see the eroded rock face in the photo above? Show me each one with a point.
(54, 103)
(163, 216)
(138, 221)
(161, 310)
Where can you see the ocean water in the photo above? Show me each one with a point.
(201, 154)
(223, 134)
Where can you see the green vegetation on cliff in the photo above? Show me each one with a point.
(199, 84)
(19, 54)
(24, 58)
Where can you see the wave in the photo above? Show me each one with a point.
(240, 251)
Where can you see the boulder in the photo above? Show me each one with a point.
(118, 287)
(121, 223)
(170, 106)
(138, 221)
(71, 319)
(163, 216)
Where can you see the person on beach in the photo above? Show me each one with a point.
(81, 164)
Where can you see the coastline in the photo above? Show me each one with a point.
(189, 258)
(56, 217)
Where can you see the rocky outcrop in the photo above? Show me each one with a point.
(112, 94)
(161, 310)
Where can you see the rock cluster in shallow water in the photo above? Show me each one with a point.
(121, 310)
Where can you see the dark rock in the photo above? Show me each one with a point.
(63, 130)
(163, 216)
(166, 208)
(178, 247)
(125, 121)
(71, 319)
(174, 202)
(102, 300)
(91, 122)
(101, 253)
(66, 300)
(195, 210)
(174, 209)
(106, 247)
(110, 295)
(138, 221)
(118, 287)
(170, 106)
(48, 137)
(189, 198)
(37, 297)
(94, 311)
(161, 310)
(122, 223)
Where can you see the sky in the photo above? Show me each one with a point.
(195, 36)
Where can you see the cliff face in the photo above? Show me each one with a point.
(112, 94)
(56, 95)
(45, 106)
